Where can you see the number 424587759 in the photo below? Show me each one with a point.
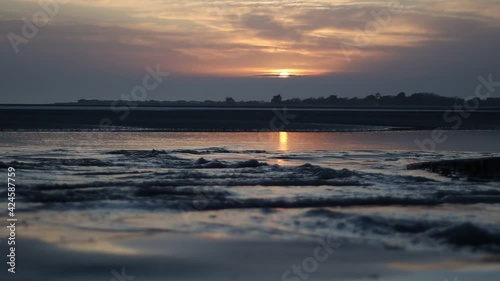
(11, 188)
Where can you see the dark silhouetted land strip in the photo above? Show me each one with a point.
(374, 100)
(238, 119)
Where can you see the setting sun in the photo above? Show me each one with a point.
(284, 74)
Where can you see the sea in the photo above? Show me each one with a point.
(254, 185)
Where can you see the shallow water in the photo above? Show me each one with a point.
(254, 185)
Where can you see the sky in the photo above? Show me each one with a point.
(248, 50)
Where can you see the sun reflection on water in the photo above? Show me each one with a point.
(283, 146)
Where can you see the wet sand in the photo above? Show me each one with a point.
(151, 257)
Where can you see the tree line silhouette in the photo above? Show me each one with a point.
(374, 100)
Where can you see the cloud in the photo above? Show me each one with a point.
(267, 27)
(91, 39)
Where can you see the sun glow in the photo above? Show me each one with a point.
(284, 74)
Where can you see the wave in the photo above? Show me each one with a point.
(144, 154)
(287, 203)
(49, 163)
(190, 182)
(204, 151)
(188, 192)
(216, 164)
(469, 235)
(75, 196)
(426, 231)
(23, 165)
(216, 150)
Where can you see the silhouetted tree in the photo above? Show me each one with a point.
(230, 100)
(277, 99)
(332, 99)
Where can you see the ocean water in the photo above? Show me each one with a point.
(82, 186)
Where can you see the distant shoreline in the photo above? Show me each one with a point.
(222, 106)
(107, 107)
(240, 119)
(401, 100)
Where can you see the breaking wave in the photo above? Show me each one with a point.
(306, 186)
